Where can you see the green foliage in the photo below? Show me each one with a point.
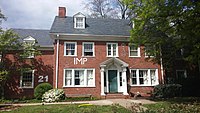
(41, 89)
(3, 75)
(167, 91)
(170, 24)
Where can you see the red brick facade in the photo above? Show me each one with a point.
(94, 62)
(43, 66)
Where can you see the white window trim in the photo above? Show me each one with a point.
(85, 77)
(117, 55)
(75, 23)
(138, 50)
(75, 53)
(33, 71)
(185, 73)
(93, 48)
(149, 77)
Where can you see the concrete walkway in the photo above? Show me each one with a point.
(127, 103)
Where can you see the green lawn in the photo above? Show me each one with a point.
(175, 105)
(69, 109)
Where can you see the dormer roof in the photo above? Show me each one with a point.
(29, 38)
(79, 14)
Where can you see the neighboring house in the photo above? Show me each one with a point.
(86, 56)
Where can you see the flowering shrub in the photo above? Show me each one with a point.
(53, 95)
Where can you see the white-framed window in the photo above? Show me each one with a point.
(112, 49)
(180, 74)
(88, 49)
(134, 51)
(144, 77)
(28, 44)
(70, 48)
(79, 22)
(149, 49)
(79, 78)
(27, 79)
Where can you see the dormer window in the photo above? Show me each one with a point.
(79, 21)
(29, 43)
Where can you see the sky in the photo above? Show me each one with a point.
(36, 14)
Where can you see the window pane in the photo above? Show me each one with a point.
(68, 77)
(133, 53)
(90, 77)
(133, 50)
(143, 77)
(109, 49)
(114, 49)
(27, 79)
(88, 49)
(79, 22)
(79, 77)
(134, 77)
(153, 76)
(70, 48)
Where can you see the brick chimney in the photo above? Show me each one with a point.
(62, 12)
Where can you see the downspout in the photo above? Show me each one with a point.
(57, 53)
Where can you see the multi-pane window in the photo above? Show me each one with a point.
(144, 77)
(27, 79)
(79, 22)
(134, 51)
(68, 77)
(112, 49)
(88, 49)
(79, 77)
(133, 77)
(70, 49)
(180, 74)
(149, 50)
(90, 78)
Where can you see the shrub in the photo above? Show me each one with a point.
(53, 95)
(41, 89)
(167, 90)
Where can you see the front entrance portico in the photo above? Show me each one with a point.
(113, 76)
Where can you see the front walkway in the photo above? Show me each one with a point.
(127, 103)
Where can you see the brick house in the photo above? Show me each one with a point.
(86, 56)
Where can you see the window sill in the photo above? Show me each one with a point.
(134, 56)
(112, 56)
(70, 55)
(143, 85)
(88, 56)
(79, 86)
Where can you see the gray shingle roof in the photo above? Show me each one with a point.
(94, 26)
(42, 36)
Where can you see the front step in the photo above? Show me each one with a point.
(116, 96)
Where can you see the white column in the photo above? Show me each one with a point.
(124, 81)
(102, 81)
